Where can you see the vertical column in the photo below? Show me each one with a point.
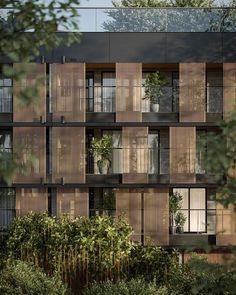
(68, 92)
(30, 107)
(229, 81)
(192, 99)
(68, 159)
(182, 154)
(29, 149)
(156, 216)
(31, 199)
(128, 92)
(135, 154)
(128, 204)
(72, 201)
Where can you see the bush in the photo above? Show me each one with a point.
(132, 287)
(153, 263)
(20, 278)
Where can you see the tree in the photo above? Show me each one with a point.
(27, 27)
(221, 159)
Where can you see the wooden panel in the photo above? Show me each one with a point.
(31, 199)
(37, 108)
(156, 216)
(192, 99)
(229, 80)
(27, 142)
(68, 92)
(68, 154)
(128, 92)
(225, 225)
(135, 154)
(72, 201)
(182, 154)
(128, 204)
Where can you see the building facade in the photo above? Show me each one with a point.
(96, 88)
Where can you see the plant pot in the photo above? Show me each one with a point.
(155, 107)
(179, 229)
(103, 169)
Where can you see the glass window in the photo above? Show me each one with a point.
(194, 208)
(153, 152)
(108, 92)
(5, 141)
(7, 206)
(89, 92)
(102, 202)
(5, 94)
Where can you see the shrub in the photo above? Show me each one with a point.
(132, 287)
(20, 278)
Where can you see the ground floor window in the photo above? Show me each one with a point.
(7, 206)
(194, 207)
(102, 202)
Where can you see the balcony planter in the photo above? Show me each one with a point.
(102, 150)
(154, 90)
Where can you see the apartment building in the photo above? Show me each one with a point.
(96, 88)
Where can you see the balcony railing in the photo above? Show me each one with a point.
(152, 161)
(137, 160)
(175, 19)
(160, 100)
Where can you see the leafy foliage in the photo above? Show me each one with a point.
(154, 87)
(132, 287)
(81, 250)
(164, 3)
(220, 160)
(153, 262)
(102, 149)
(21, 278)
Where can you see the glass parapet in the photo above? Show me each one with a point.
(147, 19)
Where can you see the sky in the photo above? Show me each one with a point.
(95, 3)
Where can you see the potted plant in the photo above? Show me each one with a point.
(102, 150)
(175, 204)
(180, 220)
(154, 90)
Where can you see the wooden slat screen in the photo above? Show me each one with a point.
(27, 142)
(128, 204)
(128, 92)
(68, 159)
(156, 216)
(229, 81)
(192, 99)
(182, 154)
(37, 108)
(225, 225)
(31, 199)
(135, 154)
(68, 92)
(72, 201)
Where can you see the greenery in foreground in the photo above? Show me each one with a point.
(96, 256)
